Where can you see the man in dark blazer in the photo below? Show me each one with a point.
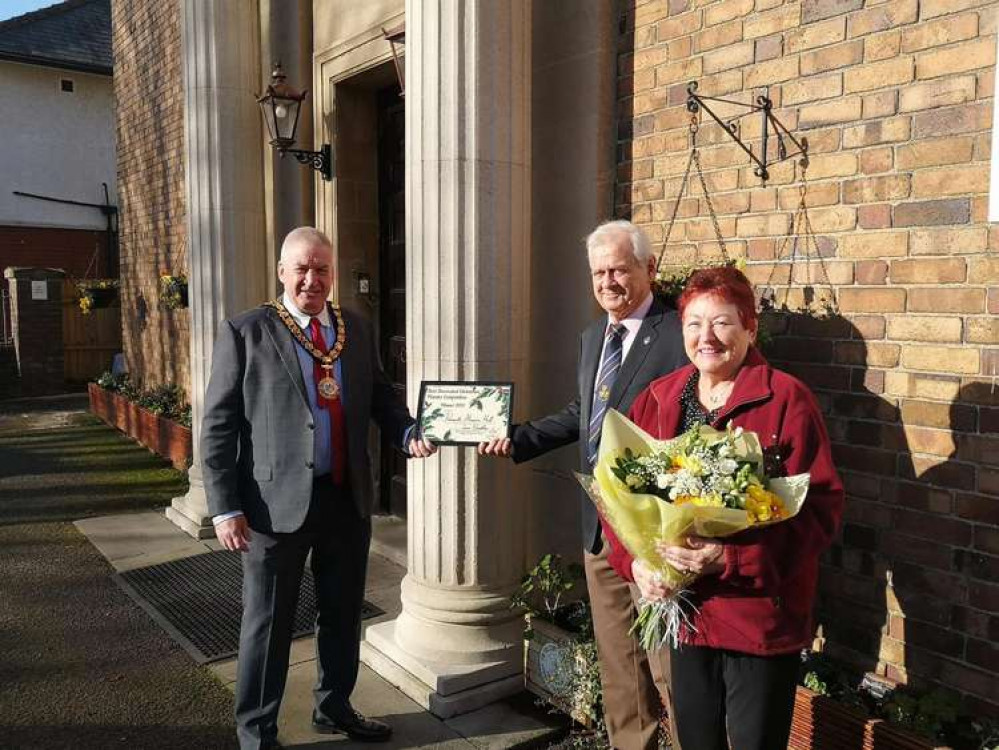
(293, 388)
(637, 341)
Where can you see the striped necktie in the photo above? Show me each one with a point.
(610, 365)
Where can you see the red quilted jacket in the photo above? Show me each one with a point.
(762, 602)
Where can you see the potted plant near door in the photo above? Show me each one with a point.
(560, 653)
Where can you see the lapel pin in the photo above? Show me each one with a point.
(646, 340)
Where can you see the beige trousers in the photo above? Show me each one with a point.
(635, 683)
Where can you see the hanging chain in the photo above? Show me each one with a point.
(800, 227)
(676, 208)
(693, 161)
(711, 207)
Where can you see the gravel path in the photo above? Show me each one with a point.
(81, 666)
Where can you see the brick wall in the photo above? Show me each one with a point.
(895, 99)
(35, 325)
(149, 126)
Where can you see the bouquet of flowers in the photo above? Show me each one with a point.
(704, 482)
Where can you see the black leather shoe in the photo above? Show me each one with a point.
(352, 724)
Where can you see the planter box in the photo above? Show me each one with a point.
(550, 661)
(820, 723)
(159, 434)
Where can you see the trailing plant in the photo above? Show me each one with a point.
(93, 293)
(935, 714)
(173, 291)
(165, 400)
(669, 283)
(544, 589)
(547, 592)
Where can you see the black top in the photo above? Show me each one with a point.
(691, 411)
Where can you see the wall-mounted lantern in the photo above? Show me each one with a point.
(397, 40)
(281, 105)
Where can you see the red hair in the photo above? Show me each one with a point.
(726, 283)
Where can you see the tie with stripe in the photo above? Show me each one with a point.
(610, 365)
(338, 445)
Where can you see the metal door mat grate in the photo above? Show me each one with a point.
(198, 601)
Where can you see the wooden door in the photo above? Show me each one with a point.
(392, 278)
(89, 341)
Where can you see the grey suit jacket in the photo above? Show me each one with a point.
(257, 430)
(656, 351)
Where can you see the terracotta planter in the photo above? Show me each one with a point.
(159, 434)
(550, 660)
(820, 723)
(101, 402)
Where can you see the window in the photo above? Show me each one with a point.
(67, 85)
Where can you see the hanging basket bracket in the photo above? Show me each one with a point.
(771, 127)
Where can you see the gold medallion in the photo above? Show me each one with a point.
(328, 388)
(604, 393)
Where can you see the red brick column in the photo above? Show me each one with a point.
(37, 327)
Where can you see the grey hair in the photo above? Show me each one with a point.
(303, 236)
(640, 245)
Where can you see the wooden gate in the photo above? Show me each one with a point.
(89, 341)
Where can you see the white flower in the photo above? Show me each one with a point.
(663, 481)
(727, 466)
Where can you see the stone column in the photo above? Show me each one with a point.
(457, 645)
(226, 249)
(286, 36)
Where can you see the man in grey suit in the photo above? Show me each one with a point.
(637, 341)
(293, 387)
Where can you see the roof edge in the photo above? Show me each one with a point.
(47, 62)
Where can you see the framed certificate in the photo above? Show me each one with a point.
(464, 413)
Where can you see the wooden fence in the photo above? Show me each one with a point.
(89, 341)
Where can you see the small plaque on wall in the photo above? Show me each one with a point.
(39, 290)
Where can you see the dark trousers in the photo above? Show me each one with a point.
(750, 696)
(338, 539)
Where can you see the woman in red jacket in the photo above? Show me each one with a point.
(734, 675)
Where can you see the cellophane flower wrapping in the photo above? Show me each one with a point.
(734, 494)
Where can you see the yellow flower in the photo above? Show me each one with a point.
(690, 463)
(712, 500)
(763, 505)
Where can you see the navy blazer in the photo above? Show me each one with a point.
(656, 351)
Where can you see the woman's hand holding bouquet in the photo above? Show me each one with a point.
(667, 501)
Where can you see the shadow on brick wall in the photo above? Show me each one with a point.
(905, 590)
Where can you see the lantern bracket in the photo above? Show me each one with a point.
(770, 125)
(321, 160)
(281, 105)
